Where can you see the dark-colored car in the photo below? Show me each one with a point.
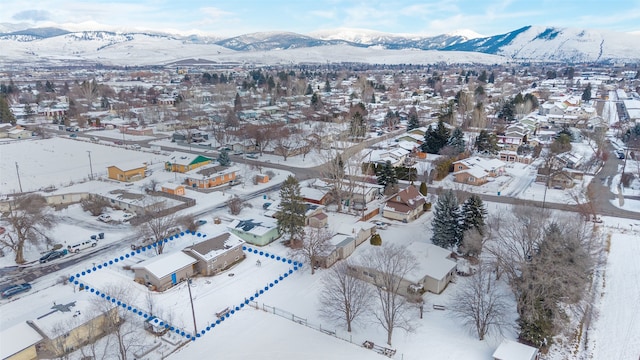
(52, 255)
(15, 289)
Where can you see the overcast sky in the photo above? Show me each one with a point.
(235, 17)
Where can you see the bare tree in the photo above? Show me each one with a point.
(157, 228)
(95, 205)
(122, 326)
(392, 265)
(316, 242)
(480, 303)
(235, 204)
(29, 217)
(344, 298)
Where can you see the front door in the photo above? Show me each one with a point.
(173, 278)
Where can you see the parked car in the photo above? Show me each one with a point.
(201, 222)
(266, 205)
(53, 255)
(380, 225)
(94, 139)
(75, 248)
(127, 216)
(15, 289)
(104, 218)
(73, 136)
(118, 142)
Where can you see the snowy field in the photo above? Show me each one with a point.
(61, 162)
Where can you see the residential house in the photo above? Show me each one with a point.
(513, 350)
(341, 246)
(569, 160)
(513, 156)
(476, 170)
(262, 178)
(318, 220)
(165, 270)
(126, 174)
(313, 213)
(435, 267)
(211, 176)
(360, 230)
(558, 179)
(217, 253)
(183, 162)
(19, 133)
(406, 205)
(433, 274)
(67, 327)
(19, 342)
(258, 231)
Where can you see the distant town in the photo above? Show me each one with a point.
(146, 208)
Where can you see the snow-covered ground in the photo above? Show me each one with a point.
(249, 332)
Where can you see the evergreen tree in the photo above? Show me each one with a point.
(223, 158)
(486, 142)
(447, 230)
(309, 90)
(483, 76)
(423, 188)
(316, 102)
(291, 215)
(357, 127)
(414, 123)
(456, 141)
(387, 176)
(6, 116)
(508, 111)
(473, 214)
(237, 103)
(327, 86)
(435, 139)
(373, 98)
(492, 78)
(586, 94)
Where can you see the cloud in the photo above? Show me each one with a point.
(214, 12)
(35, 15)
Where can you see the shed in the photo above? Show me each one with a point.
(257, 231)
(513, 350)
(165, 270)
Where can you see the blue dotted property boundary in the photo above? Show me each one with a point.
(186, 334)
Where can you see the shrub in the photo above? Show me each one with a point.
(376, 240)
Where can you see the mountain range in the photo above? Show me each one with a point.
(529, 43)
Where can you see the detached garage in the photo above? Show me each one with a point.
(165, 270)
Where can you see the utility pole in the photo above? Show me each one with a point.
(193, 312)
(90, 166)
(18, 173)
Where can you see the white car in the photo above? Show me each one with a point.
(104, 218)
(127, 216)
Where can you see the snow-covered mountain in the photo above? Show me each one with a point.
(529, 43)
(557, 44)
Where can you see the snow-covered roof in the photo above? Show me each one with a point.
(482, 163)
(259, 225)
(67, 314)
(165, 264)
(17, 338)
(432, 262)
(512, 350)
(312, 193)
(216, 245)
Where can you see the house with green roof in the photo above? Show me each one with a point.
(183, 162)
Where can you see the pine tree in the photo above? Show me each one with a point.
(291, 214)
(423, 188)
(435, 139)
(309, 90)
(237, 103)
(387, 176)
(486, 142)
(456, 141)
(483, 76)
(473, 214)
(586, 94)
(413, 120)
(6, 116)
(492, 78)
(447, 231)
(327, 86)
(223, 158)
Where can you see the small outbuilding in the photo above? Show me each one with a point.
(126, 174)
(513, 350)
